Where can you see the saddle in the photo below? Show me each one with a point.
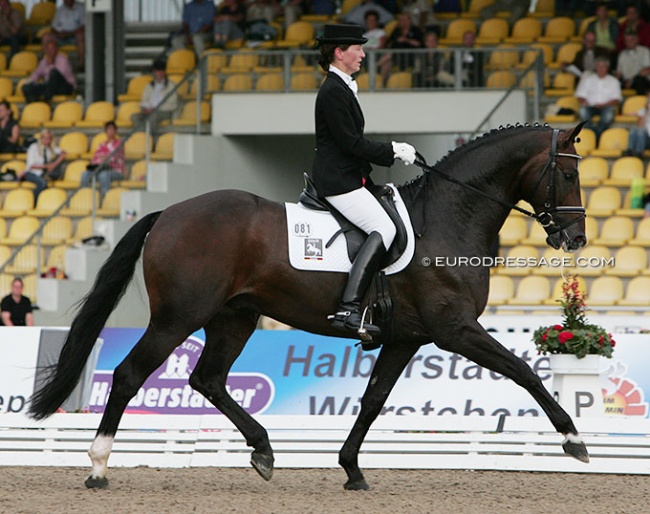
(354, 236)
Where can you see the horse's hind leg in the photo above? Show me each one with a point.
(391, 362)
(150, 352)
(225, 337)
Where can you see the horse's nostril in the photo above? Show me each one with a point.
(580, 241)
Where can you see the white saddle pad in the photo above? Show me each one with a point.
(309, 231)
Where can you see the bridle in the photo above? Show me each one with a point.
(545, 218)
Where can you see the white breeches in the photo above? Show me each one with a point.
(363, 209)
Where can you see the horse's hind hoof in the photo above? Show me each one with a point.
(96, 483)
(263, 464)
(574, 446)
(356, 485)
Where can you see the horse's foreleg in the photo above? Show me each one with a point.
(473, 342)
(226, 335)
(149, 353)
(391, 362)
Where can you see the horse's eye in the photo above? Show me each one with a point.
(569, 176)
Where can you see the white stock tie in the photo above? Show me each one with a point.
(354, 87)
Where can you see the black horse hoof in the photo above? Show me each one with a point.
(96, 483)
(576, 449)
(356, 485)
(263, 464)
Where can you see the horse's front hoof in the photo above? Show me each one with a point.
(96, 483)
(356, 485)
(263, 464)
(574, 446)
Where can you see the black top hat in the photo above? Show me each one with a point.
(159, 64)
(341, 34)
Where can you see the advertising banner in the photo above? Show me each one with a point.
(293, 372)
(19, 348)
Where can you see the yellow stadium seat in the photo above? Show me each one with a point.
(616, 231)
(627, 210)
(564, 102)
(97, 140)
(502, 289)
(552, 262)
(630, 261)
(21, 229)
(492, 32)
(563, 84)
(531, 290)
(57, 231)
(48, 201)
(474, 9)
(400, 80)
(84, 229)
(630, 108)
(97, 114)
(593, 171)
(303, 82)
(557, 292)
(188, 114)
(558, 30)
(136, 146)
(17, 202)
(180, 61)
(503, 57)
(137, 176)
(35, 114)
(519, 256)
(591, 259)
(164, 150)
(530, 56)
(642, 235)
(212, 85)
(270, 82)
(111, 203)
(81, 203)
(65, 115)
(42, 13)
(536, 236)
(544, 9)
(455, 31)
(525, 31)
(513, 231)
(242, 61)
(55, 258)
(135, 88)
(72, 174)
(26, 260)
(348, 5)
(624, 170)
(238, 82)
(75, 145)
(18, 96)
(591, 228)
(3, 233)
(6, 87)
(18, 165)
(612, 143)
(215, 60)
(565, 55)
(501, 79)
(637, 293)
(299, 33)
(603, 201)
(363, 81)
(124, 113)
(5, 255)
(586, 143)
(605, 291)
(22, 64)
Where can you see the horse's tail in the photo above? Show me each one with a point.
(95, 308)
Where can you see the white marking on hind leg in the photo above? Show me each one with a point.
(99, 453)
(573, 438)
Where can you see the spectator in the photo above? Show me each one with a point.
(422, 15)
(639, 136)
(293, 9)
(323, 7)
(69, 27)
(9, 129)
(517, 8)
(11, 27)
(259, 15)
(472, 62)
(357, 14)
(585, 59)
(633, 24)
(16, 309)
(44, 160)
(375, 35)
(152, 96)
(52, 76)
(599, 93)
(405, 36)
(633, 65)
(111, 170)
(432, 67)
(198, 17)
(604, 27)
(229, 22)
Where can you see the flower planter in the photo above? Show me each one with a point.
(576, 384)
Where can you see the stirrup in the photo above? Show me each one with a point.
(362, 331)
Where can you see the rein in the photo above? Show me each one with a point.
(545, 219)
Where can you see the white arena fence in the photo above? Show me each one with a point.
(616, 445)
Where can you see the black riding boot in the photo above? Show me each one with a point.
(363, 268)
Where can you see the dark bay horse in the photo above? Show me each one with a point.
(220, 260)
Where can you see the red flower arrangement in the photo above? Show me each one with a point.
(575, 335)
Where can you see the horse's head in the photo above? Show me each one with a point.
(552, 187)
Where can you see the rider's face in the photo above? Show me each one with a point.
(349, 60)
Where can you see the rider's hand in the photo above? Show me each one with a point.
(405, 152)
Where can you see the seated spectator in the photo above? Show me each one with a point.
(432, 68)
(69, 27)
(517, 8)
(375, 35)
(259, 15)
(604, 27)
(111, 170)
(9, 129)
(405, 36)
(293, 9)
(52, 76)
(639, 136)
(599, 93)
(11, 27)
(152, 96)
(585, 59)
(633, 68)
(229, 22)
(357, 14)
(633, 24)
(472, 62)
(44, 161)
(16, 309)
(422, 15)
(198, 18)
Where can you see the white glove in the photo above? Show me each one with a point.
(405, 152)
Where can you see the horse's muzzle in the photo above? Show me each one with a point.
(562, 240)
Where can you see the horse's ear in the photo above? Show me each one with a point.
(569, 136)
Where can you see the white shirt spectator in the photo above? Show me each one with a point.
(69, 20)
(375, 38)
(632, 60)
(37, 154)
(597, 91)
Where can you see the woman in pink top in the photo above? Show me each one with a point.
(52, 76)
(107, 162)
